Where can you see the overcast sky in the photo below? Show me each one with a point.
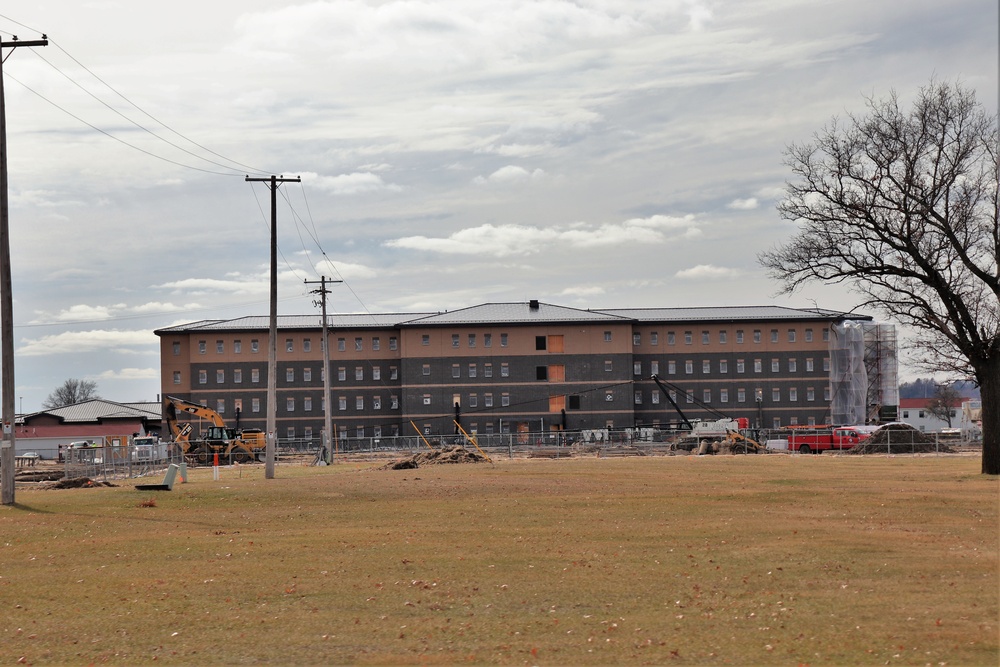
(593, 154)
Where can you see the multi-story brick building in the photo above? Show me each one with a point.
(510, 367)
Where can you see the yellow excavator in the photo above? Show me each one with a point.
(232, 445)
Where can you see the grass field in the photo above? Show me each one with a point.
(782, 560)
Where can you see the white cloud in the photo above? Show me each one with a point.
(743, 204)
(510, 240)
(708, 272)
(510, 174)
(81, 342)
(349, 184)
(160, 307)
(131, 374)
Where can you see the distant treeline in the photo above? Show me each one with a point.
(927, 387)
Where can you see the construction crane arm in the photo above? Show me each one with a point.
(174, 404)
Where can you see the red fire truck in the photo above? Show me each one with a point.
(807, 441)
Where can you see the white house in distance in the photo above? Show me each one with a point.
(915, 412)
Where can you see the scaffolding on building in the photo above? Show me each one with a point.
(864, 373)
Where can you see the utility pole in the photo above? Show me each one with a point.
(327, 418)
(272, 345)
(7, 299)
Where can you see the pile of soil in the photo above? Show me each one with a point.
(456, 454)
(78, 483)
(900, 439)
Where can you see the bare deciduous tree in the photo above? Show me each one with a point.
(903, 207)
(944, 402)
(71, 391)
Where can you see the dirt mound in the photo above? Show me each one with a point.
(456, 454)
(899, 439)
(77, 483)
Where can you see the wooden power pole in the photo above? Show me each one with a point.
(7, 404)
(327, 415)
(272, 345)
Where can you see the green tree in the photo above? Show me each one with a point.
(903, 207)
(71, 391)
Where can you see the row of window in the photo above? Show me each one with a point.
(792, 365)
(707, 394)
(706, 336)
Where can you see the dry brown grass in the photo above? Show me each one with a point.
(723, 560)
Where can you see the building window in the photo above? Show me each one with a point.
(237, 375)
(654, 367)
(775, 365)
(427, 399)
(473, 401)
(487, 340)
(488, 400)
(809, 335)
(254, 346)
(723, 395)
(425, 339)
(791, 335)
(722, 337)
(177, 377)
(637, 397)
(826, 335)
(220, 347)
(756, 335)
(689, 396)
(505, 399)
(637, 339)
(289, 345)
(237, 347)
(359, 402)
(454, 340)
(307, 375)
(654, 338)
(342, 374)
(758, 366)
(706, 366)
(541, 372)
(723, 365)
(741, 395)
(636, 368)
(392, 342)
(376, 403)
(705, 338)
(488, 370)
(376, 343)
(341, 344)
(425, 369)
(688, 338)
(306, 345)
(792, 365)
(456, 371)
(740, 366)
(739, 336)
(671, 338)
(289, 374)
(774, 335)
(811, 395)
(472, 370)
(706, 395)
(254, 405)
(775, 394)
(202, 377)
(826, 393)
(655, 398)
(202, 347)
(503, 340)
(688, 366)
(472, 340)
(307, 432)
(607, 336)
(359, 344)
(307, 404)
(290, 404)
(393, 373)
(671, 367)
(177, 348)
(254, 375)
(359, 373)
(394, 402)
(607, 366)
(342, 402)
(809, 365)
(290, 432)
(793, 394)
(826, 364)
(376, 373)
